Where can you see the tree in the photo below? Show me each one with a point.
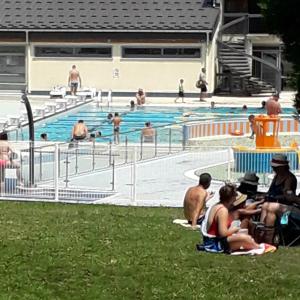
(282, 18)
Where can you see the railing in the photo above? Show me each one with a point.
(244, 24)
(230, 83)
(93, 173)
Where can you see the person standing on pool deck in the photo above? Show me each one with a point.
(180, 91)
(74, 80)
(116, 123)
(140, 97)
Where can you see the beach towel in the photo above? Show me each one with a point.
(183, 222)
(263, 248)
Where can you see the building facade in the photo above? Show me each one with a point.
(124, 45)
(118, 45)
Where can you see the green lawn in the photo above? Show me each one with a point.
(53, 251)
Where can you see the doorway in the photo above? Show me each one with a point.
(262, 71)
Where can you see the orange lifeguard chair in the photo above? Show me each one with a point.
(266, 129)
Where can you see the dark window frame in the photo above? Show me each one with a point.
(163, 52)
(73, 51)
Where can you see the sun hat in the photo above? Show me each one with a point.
(250, 178)
(240, 198)
(279, 160)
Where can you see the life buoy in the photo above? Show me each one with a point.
(236, 133)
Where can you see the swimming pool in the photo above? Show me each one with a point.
(166, 120)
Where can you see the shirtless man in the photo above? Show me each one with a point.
(79, 131)
(148, 133)
(140, 97)
(273, 107)
(116, 123)
(74, 80)
(6, 155)
(195, 198)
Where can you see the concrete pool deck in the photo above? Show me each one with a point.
(13, 105)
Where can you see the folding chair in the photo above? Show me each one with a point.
(289, 229)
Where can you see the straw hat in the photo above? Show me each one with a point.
(249, 178)
(279, 160)
(240, 198)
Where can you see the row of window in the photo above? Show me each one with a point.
(127, 52)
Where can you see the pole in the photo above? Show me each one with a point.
(31, 138)
(56, 173)
(133, 191)
(229, 164)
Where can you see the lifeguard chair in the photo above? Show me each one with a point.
(266, 129)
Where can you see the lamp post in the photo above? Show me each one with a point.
(31, 138)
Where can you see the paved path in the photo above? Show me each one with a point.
(160, 181)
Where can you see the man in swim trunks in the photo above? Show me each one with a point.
(74, 80)
(116, 123)
(79, 131)
(140, 97)
(148, 133)
(195, 199)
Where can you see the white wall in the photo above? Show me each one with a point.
(155, 75)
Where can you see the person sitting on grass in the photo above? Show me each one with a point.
(218, 235)
(195, 199)
(242, 213)
(248, 185)
(280, 197)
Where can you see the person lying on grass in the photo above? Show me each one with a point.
(218, 235)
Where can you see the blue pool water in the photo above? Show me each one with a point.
(165, 119)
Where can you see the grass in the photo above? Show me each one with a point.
(56, 251)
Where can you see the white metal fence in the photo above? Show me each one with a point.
(106, 173)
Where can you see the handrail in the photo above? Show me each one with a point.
(278, 70)
(236, 21)
(231, 23)
(250, 56)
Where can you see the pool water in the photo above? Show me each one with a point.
(166, 120)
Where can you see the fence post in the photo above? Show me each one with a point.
(141, 151)
(185, 136)
(56, 173)
(76, 160)
(113, 175)
(67, 169)
(93, 163)
(133, 186)
(41, 161)
(110, 151)
(170, 140)
(126, 149)
(155, 144)
(58, 162)
(228, 164)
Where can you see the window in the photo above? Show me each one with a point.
(165, 52)
(73, 51)
(182, 52)
(12, 50)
